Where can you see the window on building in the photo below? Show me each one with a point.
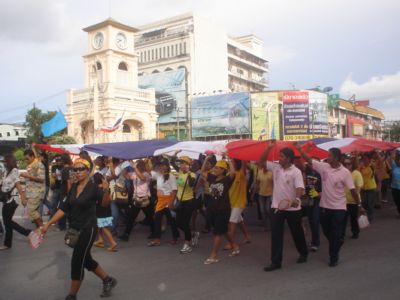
(163, 52)
(126, 128)
(172, 50)
(180, 49)
(122, 66)
(1, 135)
(184, 48)
(8, 134)
(98, 66)
(152, 54)
(176, 50)
(240, 71)
(16, 133)
(167, 51)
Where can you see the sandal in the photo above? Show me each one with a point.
(113, 248)
(235, 252)
(98, 244)
(245, 241)
(210, 261)
(153, 244)
(228, 247)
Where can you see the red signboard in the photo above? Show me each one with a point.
(362, 102)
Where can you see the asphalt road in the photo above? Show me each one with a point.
(369, 268)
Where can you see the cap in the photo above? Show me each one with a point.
(222, 164)
(125, 164)
(185, 159)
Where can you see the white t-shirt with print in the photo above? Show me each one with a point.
(165, 187)
(8, 183)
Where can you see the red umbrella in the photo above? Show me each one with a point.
(252, 150)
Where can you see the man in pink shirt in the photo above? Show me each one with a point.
(335, 178)
(288, 188)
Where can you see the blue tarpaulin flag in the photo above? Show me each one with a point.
(56, 124)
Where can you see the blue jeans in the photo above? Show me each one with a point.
(265, 209)
(46, 201)
(313, 220)
(115, 215)
(332, 222)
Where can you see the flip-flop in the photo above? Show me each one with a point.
(153, 244)
(227, 247)
(112, 249)
(98, 244)
(244, 242)
(235, 252)
(210, 261)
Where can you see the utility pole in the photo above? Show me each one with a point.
(177, 124)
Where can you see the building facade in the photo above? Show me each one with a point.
(213, 62)
(12, 132)
(111, 90)
(346, 119)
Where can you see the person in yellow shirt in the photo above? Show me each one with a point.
(352, 206)
(368, 191)
(264, 187)
(237, 197)
(186, 180)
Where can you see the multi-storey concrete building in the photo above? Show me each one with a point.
(347, 119)
(12, 132)
(213, 61)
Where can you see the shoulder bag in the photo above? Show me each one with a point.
(140, 202)
(177, 204)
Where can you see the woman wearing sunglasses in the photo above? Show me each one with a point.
(80, 207)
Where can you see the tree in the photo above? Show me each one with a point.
(62, 139)
(34, 118)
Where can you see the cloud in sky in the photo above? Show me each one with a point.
(383, 91)
(308, 42)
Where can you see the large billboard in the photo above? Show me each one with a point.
(170, 88)
(304, 115)
(265, 116)
(226, 114)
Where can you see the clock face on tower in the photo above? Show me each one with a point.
(98, 40)
(121, 41)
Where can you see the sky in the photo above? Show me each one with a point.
(352, 46)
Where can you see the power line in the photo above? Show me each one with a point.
(39, 101)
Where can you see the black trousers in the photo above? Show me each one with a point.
(183, 217)
(396, 198)
(81, 257)
(8, 213)
(132, 214)
(171, 221)
(293, 219)
(352, 213)
(332, 222)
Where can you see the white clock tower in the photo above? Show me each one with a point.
(111, 89)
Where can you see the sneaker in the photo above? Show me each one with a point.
(108, 284)
(272, 267)
(186, 249)
(71, 297)
(195, 239)
(314, 248)
(333, 263)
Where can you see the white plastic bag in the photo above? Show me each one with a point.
(363, 221)
(35, 239)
